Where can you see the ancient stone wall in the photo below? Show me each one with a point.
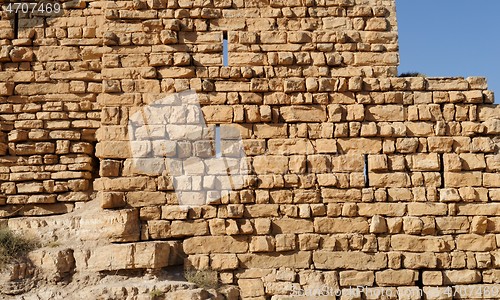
(49, 81)
(355, 176)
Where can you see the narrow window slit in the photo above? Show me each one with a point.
(225, 50)
(441, 169)
(218, 152)
(365, 171)
(16, 26)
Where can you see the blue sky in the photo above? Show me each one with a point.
(451, 38)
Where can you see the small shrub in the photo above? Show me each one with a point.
(155, 294)
(206, 279)
(14, 246)
(412, 74)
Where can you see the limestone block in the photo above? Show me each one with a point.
(452, 224)
(349, 260)
(261, 210)
(189, 228)
(270, 130)
(434, 278)
(360, 145)
(419, 260)
(330, 195)
(262, 244)
(411, 243)
(395, 179)
(384, 209)
(285, 242)
(113, 149)
(469, 179)
(247, 59)
(290, 146)
(270, 164)
(55, 264)
(251, 288)
(6, 88)
(112, 200)
(474, 242)
(396, 277)
(115, 226)
(461, 277)
(57, 53)
(215, 244)
(427, 209)
(386, 113)
(357, 278)
(146, 255)
(341, 225)
(218, 113)
(222, 262)
(301, 259)
(302, 113)
(289, 225)
(140, 199)
(378, 224)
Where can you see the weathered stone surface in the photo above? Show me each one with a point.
(151, 255)
(412, 243)
(341, 225)
(349, 260)
(474, 242)
(215, 244)
(304, 113)
(301, 259)
(396, 277)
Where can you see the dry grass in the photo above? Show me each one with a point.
(206, 279)
(156, 294)
(13, 246)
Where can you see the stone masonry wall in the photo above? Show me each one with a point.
(357, 177)
(49, 81)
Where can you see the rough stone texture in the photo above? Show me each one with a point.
(357, 177)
